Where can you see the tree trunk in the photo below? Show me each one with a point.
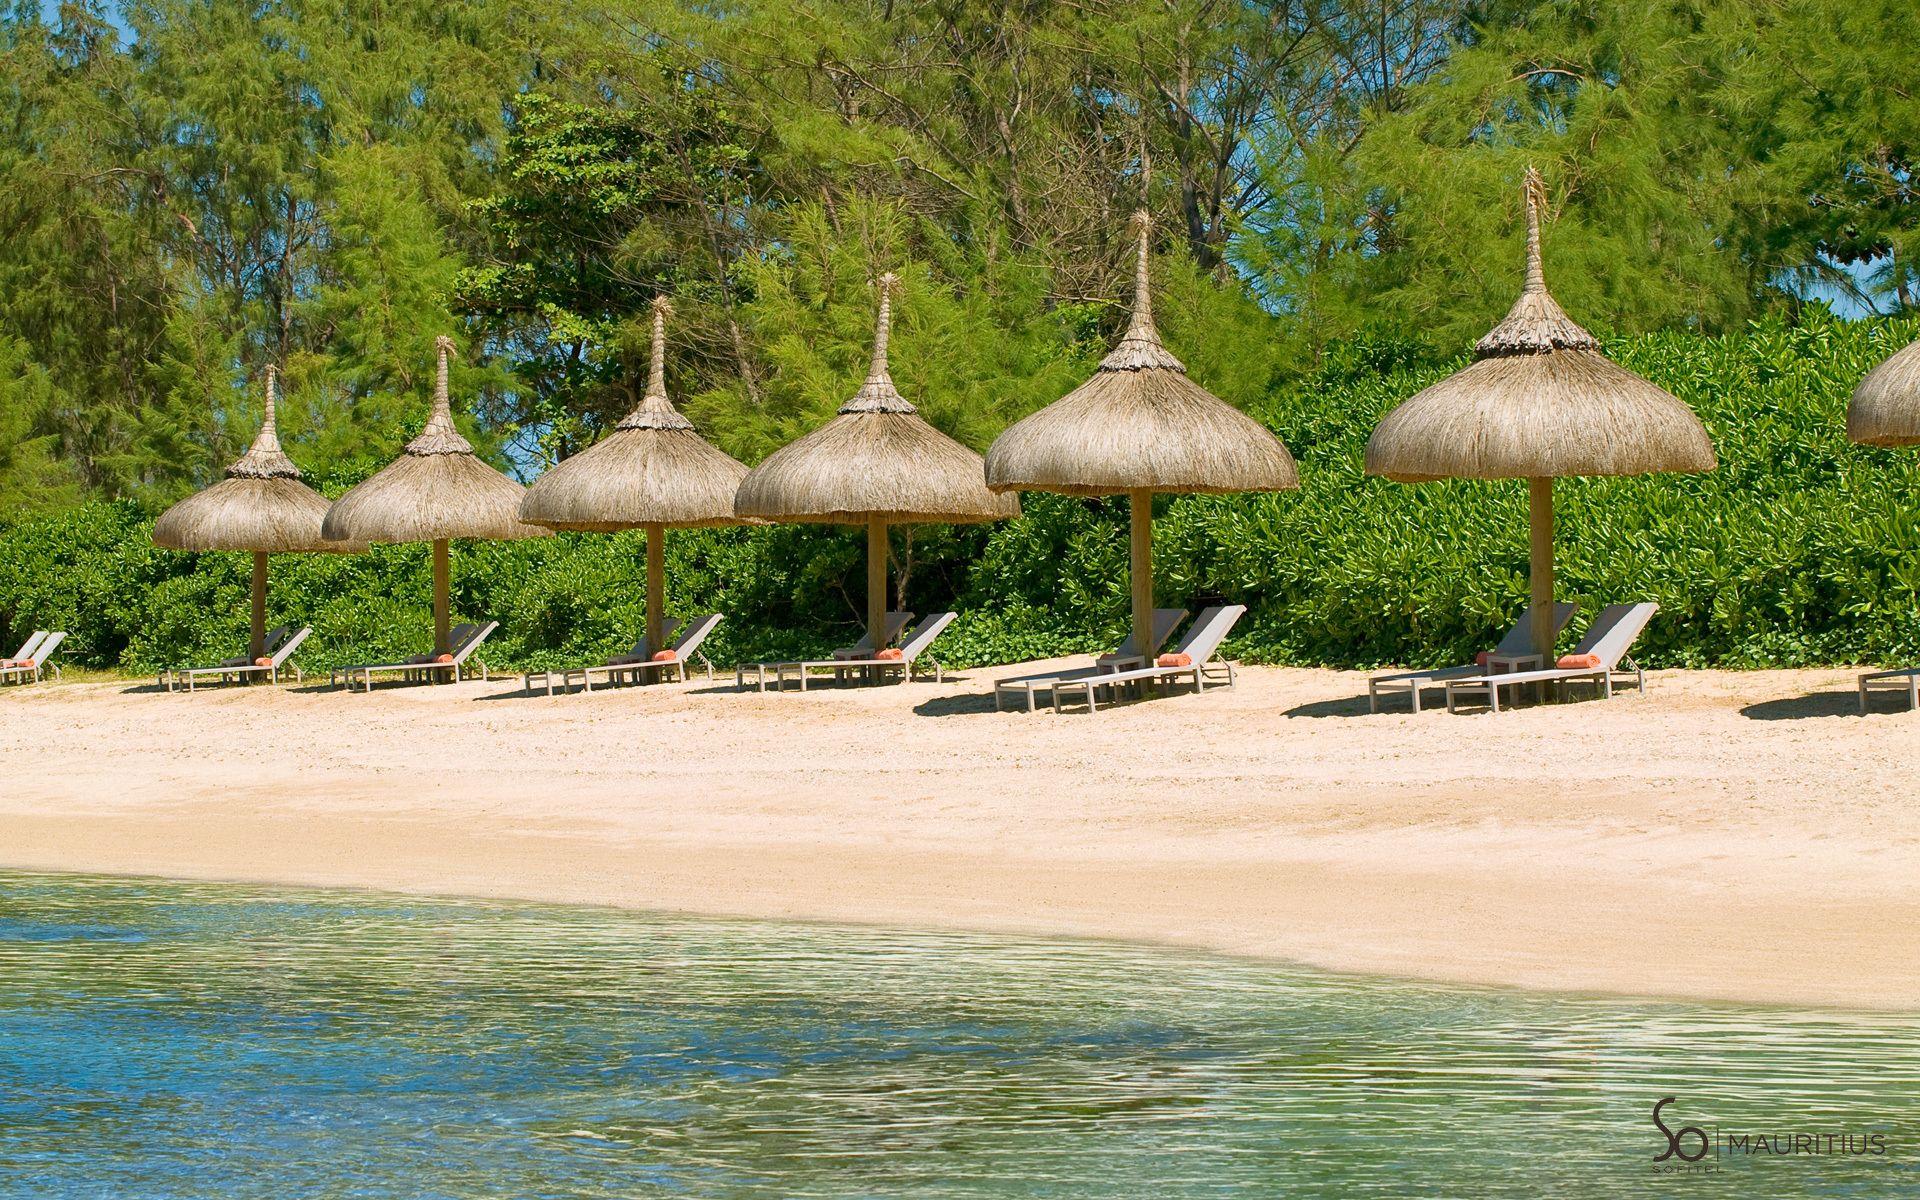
(877, 584)
(257, 641)
(1140, 569)
(442, 575)
(1540, 566)
(656, 588)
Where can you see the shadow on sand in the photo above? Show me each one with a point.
(1800, 708)
(954, 706)
(517, 690)
(159, 689)
(1349, 706)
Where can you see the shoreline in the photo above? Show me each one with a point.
(1579, 849)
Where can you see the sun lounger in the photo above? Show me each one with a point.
(684, 650)
(1128, 655)
(424, 667)
(642, 651)
(30, 668)
(26, 650)
(913, 647)
(896, 621)
(1612, 634)
(242, 668)
(1518, 644)
(1905, 680)
(458, 636)
(269, 645)
(1199, 647)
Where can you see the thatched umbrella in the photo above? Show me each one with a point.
(1140, 426)
(1885, 409)
(877, 463)
(652, 472)
(260, 507)
(1539, 401)
(437, 490)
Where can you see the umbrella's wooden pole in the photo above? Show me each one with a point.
(1140, 522)
(442, 570)
(656, 588)
(877, 584)
(257, 642)
(1540, 567)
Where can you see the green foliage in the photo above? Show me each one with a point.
(329, 185)
(972, 360)
(32, 476)
(1800, 549)
(602, 206)
(1708, 161)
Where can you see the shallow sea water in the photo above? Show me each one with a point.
(163, 1040)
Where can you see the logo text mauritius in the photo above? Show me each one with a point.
(1691, 1148)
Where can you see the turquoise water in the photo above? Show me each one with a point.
(164, 1040)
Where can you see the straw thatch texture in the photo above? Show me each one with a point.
(1539, 401)
(1140, 423)
(261, 506)
(653, 469)
(1885, 409)
(878, 459)
(438, 488)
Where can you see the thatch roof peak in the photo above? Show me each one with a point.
(264, 459)
(655, 411)
(1140, 348)
(261, 506)
(653, 469)
(1536, 323)
(1539, 401)
(877, 460)
(1885, 408)
(877, 393)
(439, 435)
(437, 489)
(1139, 424)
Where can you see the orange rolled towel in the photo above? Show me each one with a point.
(443, 658)
(890, 654)
(263, 662)
(1480, 659)
(1578, 662)
(666, 656)
(1174, 660)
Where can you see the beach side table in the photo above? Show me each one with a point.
(760, 674)
(1113, 663)
(1507, 664)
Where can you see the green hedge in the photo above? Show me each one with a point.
(1801, 549)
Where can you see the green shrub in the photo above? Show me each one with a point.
(1799, 549)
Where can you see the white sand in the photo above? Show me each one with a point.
(1725, 836)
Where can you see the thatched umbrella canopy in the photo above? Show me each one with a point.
(877, 463)
(260, 507)
(1538, 402)
(1140, 426)
(652, 472)
(437, 490)
(1885, 409)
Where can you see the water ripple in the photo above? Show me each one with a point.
(168, 1040)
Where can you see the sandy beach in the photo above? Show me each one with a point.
(1734, 836)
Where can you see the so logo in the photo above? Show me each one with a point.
(1681, 1141)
